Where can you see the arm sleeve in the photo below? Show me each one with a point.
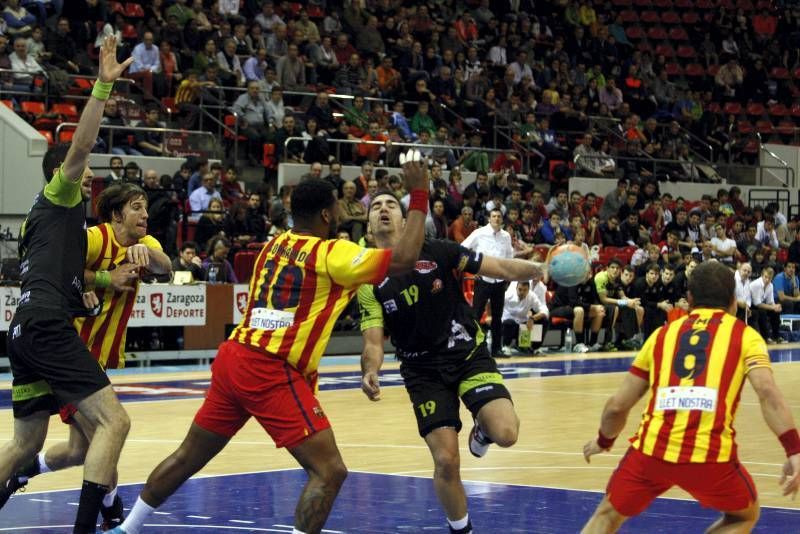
(371, 312)
(644, 358)
(62, 191)
(150, 242)
(94, 246)
(754, 350)
(350, 265)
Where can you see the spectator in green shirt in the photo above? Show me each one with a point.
(422, 121)
(474, 159)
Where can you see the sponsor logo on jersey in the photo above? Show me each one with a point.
(318, 412)
(425, 266)
(390, 306)
(462, 262)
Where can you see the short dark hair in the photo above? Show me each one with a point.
(385, 192)
(115, 197)
(712, 285)
(53, 159)
(310, 197)
(614, 261)
(653, 267)
(189, 244)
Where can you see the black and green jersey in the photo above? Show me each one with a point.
(52, 249)
(424, 311)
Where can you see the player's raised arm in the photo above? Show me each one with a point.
(89, 125)
(512, 269)
(406, 252)
(779, 419)
(372, 331)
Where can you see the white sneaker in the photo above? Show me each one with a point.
(478, 442)
(597, 347)
(507, 351)
(581, 348)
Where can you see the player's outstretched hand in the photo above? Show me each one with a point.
(790, 478)
(590, 449)
(123, 278)
(139, 255)
(371, 386)
(110, 69)
(539, 271)
(415, 173)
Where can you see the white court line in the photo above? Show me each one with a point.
(198, 517)
(242, 521)
(40, 500)
(323, 530)
(162, 513)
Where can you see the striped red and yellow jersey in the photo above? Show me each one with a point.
(300, 285)
(696, 367)
(104, 334)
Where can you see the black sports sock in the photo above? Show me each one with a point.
(592, 338)
(91, 498)
(31, 469)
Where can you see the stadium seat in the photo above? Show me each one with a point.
(705, 4)
(557, 323)
(690, 18)
(745, 5)
(129, 33)
(33, 108)
(684, 4)
(65, 135)
(230, 122)
(657, 33)
(678, 34)
(47, 134)
(745, 127)
(752, 147)
(732, 108)
(786, 128)
(764, 127)
(755, 109)
(696, 70)
(8, 103)
(629, 16)
(642, 3)
(663, 4)
(243, 263)
(671, 18)
(783, 255)
(665, 50)
(778, 110)
(68, 111)
(779, 73)
(713, 107)
(134, 11)
(650, 17)
(673, 69)
(686, 52)
(634, 33)
(795, 111)
(115, 7)
(268, 159)
(729, 5)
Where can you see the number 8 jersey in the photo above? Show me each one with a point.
(696, 368)
(300, 285)
(424, 310)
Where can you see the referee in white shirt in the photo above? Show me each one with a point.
(491, 240)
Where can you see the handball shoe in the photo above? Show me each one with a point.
(113, 515)
(11, 486)
(478, 442)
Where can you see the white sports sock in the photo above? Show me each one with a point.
(295, 531)
(108, 500)
(461, 523)
(43, 467)
(137, 516)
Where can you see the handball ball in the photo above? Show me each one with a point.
(568, 265)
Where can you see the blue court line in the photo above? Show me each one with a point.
(192, 389)
(371, 503)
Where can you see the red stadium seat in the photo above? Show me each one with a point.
(657, 33)
(745, 127)
(696, 70)
(65, 135)
(755, 109)
(635, 33)
(684, 4)
(779, 73)
(783, 255)
(671, 18)
(243, 263)
(690, 17)
(727, 4)
(129, 32)
(665, 50)
(8, 103)
(764, 127)
(68, 111)
(714, 107)
(134, 11)
(673, 69)
(269, 161)
(686, 52)
(115, 7)
(663, 4)
(678, 34)
(642, 3)
(745, 5)
(786, 128)
(778, 110)
(795, 111)
(33, 108)
(629, 16)
(47, 134)
(650, 17)
(752, 147)
(732, 108)
(230, 122)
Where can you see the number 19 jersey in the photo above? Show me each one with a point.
(696, 368)
(300, 285)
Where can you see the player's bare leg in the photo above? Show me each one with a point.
(604, 520)
(443, 444)
(73, 451)
(739, 522)
(499, 422)
(29, 435)
(577, 322)
(323, 463)
(105, 414)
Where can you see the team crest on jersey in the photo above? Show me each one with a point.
(318, 412)
(157, 304)
(438, 285)
(425, 266)
(390, 306)
(241, 301)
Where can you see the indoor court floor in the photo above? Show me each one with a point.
(542, 484)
